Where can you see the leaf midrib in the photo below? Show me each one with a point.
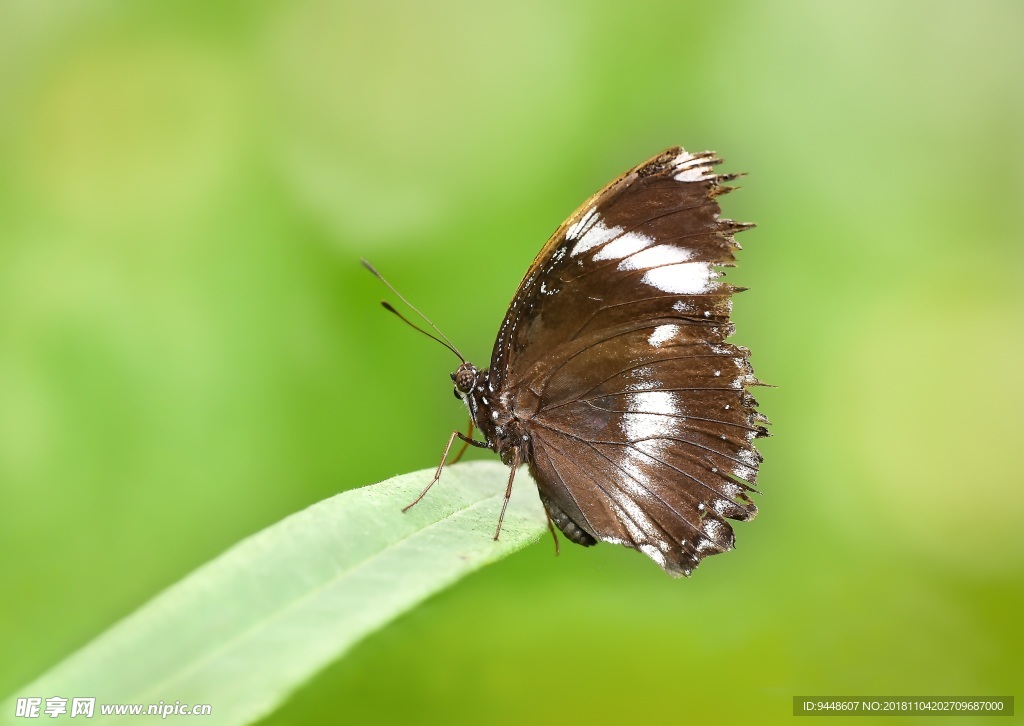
(280, 612)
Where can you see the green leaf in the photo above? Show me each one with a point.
(248, 628)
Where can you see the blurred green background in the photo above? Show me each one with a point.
(189, 349)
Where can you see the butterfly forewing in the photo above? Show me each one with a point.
(614, 356)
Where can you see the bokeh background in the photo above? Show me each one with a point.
(189, 349)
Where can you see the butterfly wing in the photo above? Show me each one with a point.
(614, 355)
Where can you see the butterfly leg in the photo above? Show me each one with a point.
(444, 456)
(464, 445)
(551, 528)
(517, 459)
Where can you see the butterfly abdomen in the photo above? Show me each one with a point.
(572, 531)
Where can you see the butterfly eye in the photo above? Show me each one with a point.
(465, 378)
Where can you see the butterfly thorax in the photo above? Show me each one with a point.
(491, 413)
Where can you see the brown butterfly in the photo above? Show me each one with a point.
(611, 377)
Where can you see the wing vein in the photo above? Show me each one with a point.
(561, 480)
(630, 444)
(618, 466)
(682, 417)
(633, 368)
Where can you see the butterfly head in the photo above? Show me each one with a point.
(465, 379)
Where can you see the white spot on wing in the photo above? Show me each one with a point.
(656, 420)
(576, 229)
(638, 472)
(662, 402)
(695, 173)
(747, 457)
(687, 278)
(690, 168)
(655, 257)
(662, 334)
(598, 234)
(704, 546)
(653, 553)
(624, 246)
(744, 473)
(631, 510)
(721, 507)
(712, 528)
(642, 380)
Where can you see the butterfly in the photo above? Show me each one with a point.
(612, 378)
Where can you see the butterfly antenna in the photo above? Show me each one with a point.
(387, 306)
